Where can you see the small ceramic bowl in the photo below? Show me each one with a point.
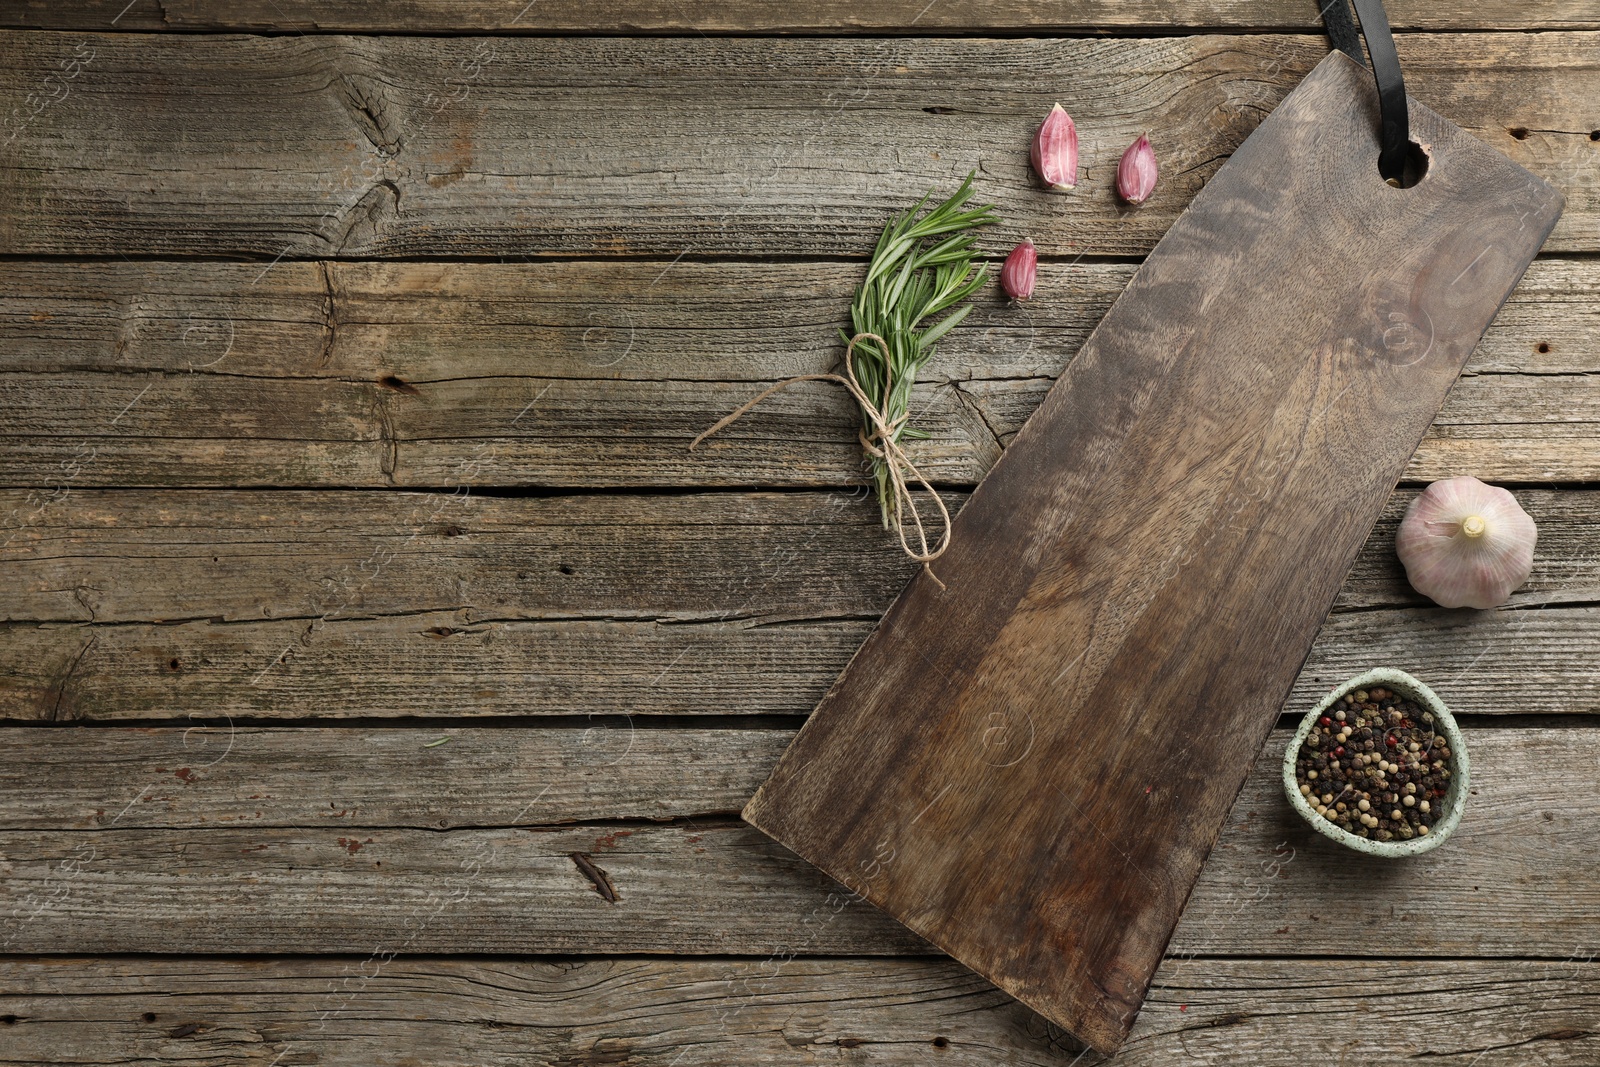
(1454, 799)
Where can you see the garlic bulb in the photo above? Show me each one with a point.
(1465, 544)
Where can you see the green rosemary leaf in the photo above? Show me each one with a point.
(933, 333)
(924, 263)
(885, 261)
(892, 297)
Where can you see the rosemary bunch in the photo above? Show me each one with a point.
(921, 267)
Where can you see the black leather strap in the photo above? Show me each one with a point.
(1395, 134)
(1342, 29)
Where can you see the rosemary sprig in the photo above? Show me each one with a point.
(921, 267)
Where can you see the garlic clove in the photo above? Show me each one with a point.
(1055, 150)
(1018, 273)
(1465, 544)
(1136, 174)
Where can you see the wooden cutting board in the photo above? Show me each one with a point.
(1029, 765)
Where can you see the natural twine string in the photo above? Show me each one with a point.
(879, 443)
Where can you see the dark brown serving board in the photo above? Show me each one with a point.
(1028, 765)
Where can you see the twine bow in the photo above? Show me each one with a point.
(880, 443)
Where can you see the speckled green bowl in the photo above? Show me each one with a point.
(1454, 799)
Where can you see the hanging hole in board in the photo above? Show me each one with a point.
(1416, 166)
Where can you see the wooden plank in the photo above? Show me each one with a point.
(646, 321)
(113, 555)
(725, 16)
(124, 429)
(1517, 880)
(717, 604)
(168, 373)
(429, 146)
(116, 556)
(347, 779)
(1130, 594)
(587, 1013)
(1536, 661)
(221, 429)
(450, 663)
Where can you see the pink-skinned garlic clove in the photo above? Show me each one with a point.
(1136, 173)
(1055, 150)
(1020, 270)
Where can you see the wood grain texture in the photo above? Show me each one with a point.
(527, 431)
(660, 1013)
(235, 856)
(208, 837)
(214, 775)
(287, 605)
(1029, 759)
(244, 556)
(112, 555)
(1535, 661)
(635, 320)
(726, 16)
(335, 373)
(423, 146)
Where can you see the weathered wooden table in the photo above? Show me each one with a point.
(381, 675)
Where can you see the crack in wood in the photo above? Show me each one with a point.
(597, 877)
(81, 595)
(368, 106)
(1565, 1034)
(969, 404)
(330, 321)
(388, 440)
(362, 222)
(72, 669)
(399, 385)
